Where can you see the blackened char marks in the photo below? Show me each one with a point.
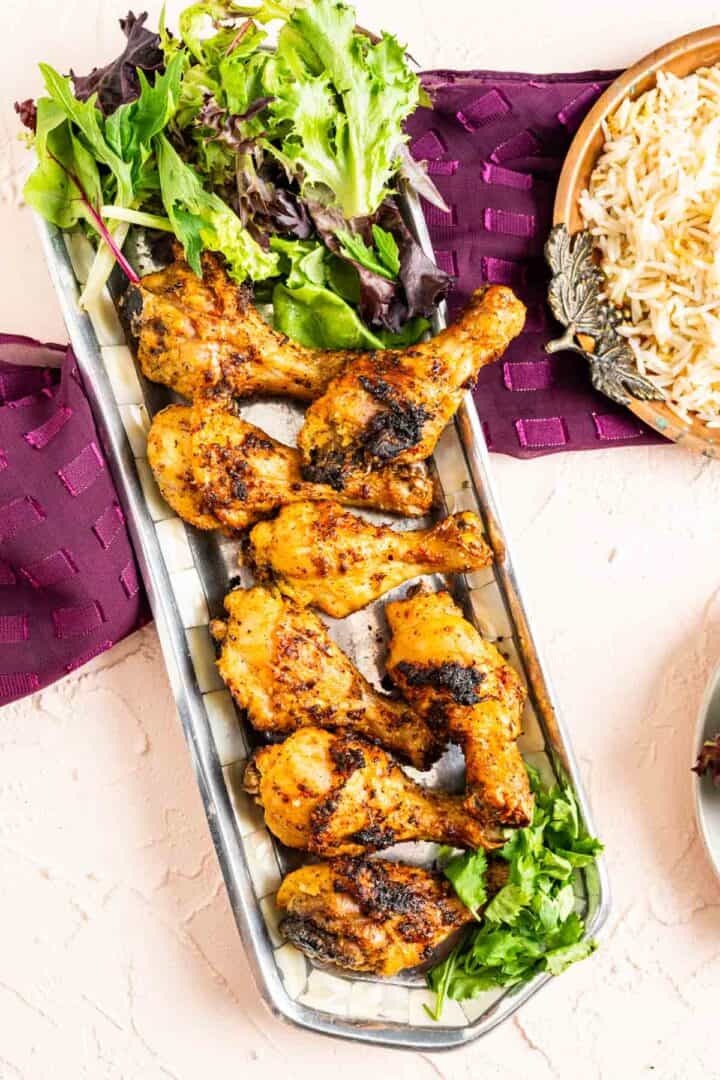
(347, 756)
(131, 309)
(328, 468)
(375, 891)
(461, 682)
(373, 837)
(395, 429)
(313, 940)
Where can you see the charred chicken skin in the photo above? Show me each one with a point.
(195, 333)
(392, 406)
(453, 677)
(216, 470)
(333, 793)
(281, 666)
(322, 555)
(369, 914)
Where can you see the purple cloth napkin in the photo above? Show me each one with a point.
(495, 144)
(69, 585)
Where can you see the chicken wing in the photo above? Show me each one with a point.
(216, 470)
(448, 673)
(322, 555)
(336, 794)
(282, 666)
(245, 474)
(369, 914)
(392, 406)
(194, 332)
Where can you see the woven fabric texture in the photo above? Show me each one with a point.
(69, 585)
(494, 145)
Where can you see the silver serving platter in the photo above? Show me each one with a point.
(187, 574)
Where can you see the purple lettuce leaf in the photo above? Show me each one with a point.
(225, 127)
(424, 284)
(389, 304)
(117, 83)
(27, 111)
(264, 202)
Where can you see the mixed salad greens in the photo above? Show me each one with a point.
(531, 925)
(285, 160)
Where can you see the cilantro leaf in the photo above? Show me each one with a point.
(530, 925)
(467, 874)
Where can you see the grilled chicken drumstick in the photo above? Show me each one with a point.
(392, 406)
(216, 470)
(322, 555)
(194, 333)
(336, 794)
(449, 674)
(369, 914)
(245, 474)
(282, 666)
(169, 452)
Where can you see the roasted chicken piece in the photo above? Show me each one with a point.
(333, 793)
(282, 666)
(323, 555)
(453, 677)
(216, 470)
(245, 475)
(392, 406)
(369, 914)
(193, 333)
(169, 452)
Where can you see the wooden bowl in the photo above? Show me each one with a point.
(681, 57)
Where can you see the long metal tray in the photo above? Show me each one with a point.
(187, 575)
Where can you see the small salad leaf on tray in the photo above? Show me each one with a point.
(531, 924)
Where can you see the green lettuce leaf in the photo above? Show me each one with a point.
(387, 249)
(202, 221)
(313, 304)
(50, 189)
(88, 121)
(342, 100)
(319, 319)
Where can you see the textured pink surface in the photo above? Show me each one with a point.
(68, 582)
(494, 145)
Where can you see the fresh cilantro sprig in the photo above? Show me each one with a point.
(531, 924)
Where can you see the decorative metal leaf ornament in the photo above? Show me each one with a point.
(575, 297)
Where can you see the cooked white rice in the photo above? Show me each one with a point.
(653, 207)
